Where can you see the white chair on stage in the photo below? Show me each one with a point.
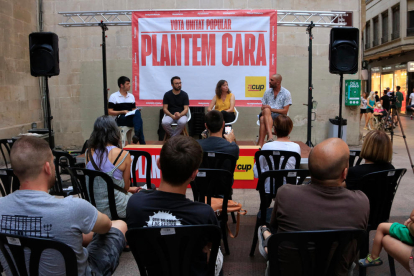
(126, 133)
(185, 132)
(235, 120)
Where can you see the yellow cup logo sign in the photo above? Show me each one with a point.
(244, 168)
(255, 87)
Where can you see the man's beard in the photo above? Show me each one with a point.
(52, 181)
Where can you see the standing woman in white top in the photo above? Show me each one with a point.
(282, 125)
(363, 107)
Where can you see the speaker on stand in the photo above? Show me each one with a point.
(44, 61)
(343, 58)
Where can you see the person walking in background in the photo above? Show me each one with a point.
(223, 101)
(410, 105)
(363, 108)
(370, 107)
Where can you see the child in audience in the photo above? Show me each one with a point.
(403, 232)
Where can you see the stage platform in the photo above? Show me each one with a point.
(243, 175)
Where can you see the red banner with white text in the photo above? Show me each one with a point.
(203, 47)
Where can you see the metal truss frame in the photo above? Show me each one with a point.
(285, 18)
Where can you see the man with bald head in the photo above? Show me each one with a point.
(275, 101)
(325, 204)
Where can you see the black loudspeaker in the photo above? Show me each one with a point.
(343, 51)
(44, 54)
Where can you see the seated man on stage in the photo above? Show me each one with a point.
(122, 102)
(175, 106)
(276, 100)
(215, 143)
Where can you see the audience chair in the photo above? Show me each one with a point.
(380, 188)
(276, 156)
(295, 177)
(63, 160)
(185, 132)
(134, 166)
(84, 180)
(171, 251)
(9, 182)
(126, 133)
(215, 160)
(353, 154)
(5, 148)
(214, 183)
(326, 252)
(16, 257)
(79, 152)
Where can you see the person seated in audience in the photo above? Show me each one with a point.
(282, 125)
(70, 220)
(223, 101)
(377, 153)
(104, 155)
(214, 123)
(402, 232)
(121, 103)
(324, 204)
(179, 160)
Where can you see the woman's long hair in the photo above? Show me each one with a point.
(372, 95)
(105, 132)
(218, 88)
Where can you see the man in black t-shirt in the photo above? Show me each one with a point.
(179, 160)
(385, 101)
(121, 103)
(377, 99)
(175, 106)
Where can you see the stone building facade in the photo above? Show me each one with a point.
(76, 94)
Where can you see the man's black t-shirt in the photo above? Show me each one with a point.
(157, 208)
(176, 103)
(377, 98)
(386, 102)
(357, 172)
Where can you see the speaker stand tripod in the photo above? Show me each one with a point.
(48, 113)
(394, 111)
(341, 80)
(310, 86)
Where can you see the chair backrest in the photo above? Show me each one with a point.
(148, 162)
(275, 155)
(353, 154)
(173, 251)
(9, 182)
(63, 160)
(318, 252)
(276, 181)
(86, 186)
(5, 148)
(215, 160)
(17, 259)
(213, 183)
(380, 188)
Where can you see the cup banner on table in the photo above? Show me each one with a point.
(203, 47)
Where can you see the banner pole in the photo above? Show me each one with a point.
(310, 86)
(105, 85)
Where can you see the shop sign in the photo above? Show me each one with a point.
(352, 92)
(410, 66)
(375, 69)
(387, 68)
(401, 66)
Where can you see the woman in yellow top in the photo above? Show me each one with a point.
(223, 101)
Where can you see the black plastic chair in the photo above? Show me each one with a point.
(214, 183)
(9, 182)
(216, 160)
(84, 180)
(136, 154)
(318, 252)
(353, 154)
(380, 188)
(5, 148)
(63, 160)
(79, 152)
(171, 251)
(17, 259)
(276, 156)
(276, 178)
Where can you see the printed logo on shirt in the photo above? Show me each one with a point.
(255, 86)
(25, 226)
(163, 219)
(244, 168)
